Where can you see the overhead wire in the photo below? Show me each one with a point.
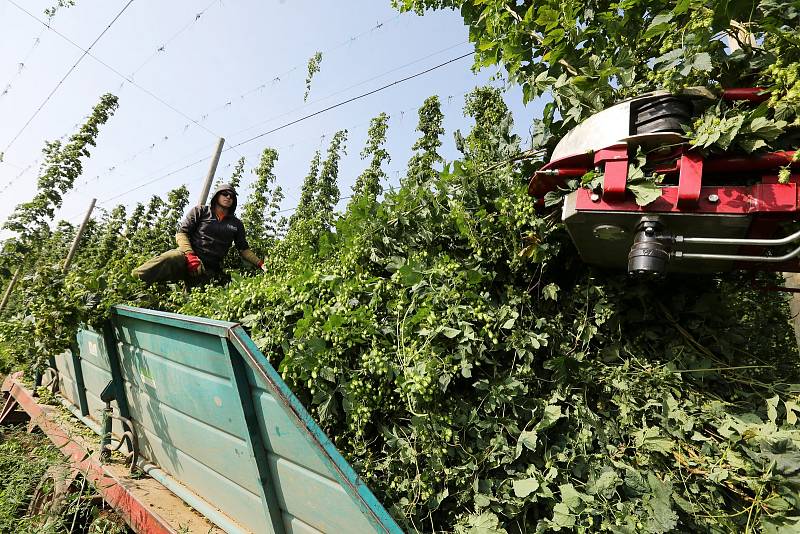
(22, 64)
(70, 71)
(277, 78)
(359, 84)
(347, 101)
(177, 34)
(290, 123)
(115, 71)
(306, 105)
(289, 192)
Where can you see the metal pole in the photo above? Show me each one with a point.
(211, 171)
(78, 236)
(10, 288)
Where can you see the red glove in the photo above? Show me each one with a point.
(194, 264)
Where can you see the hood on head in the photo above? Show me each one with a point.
(224, 187)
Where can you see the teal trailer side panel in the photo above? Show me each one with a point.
(284, 438)
(308, 470)
(212, 413)
(292, 525)
(96, 371)
(67, 379)
(187, 412)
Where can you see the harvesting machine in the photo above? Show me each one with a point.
(714, 213)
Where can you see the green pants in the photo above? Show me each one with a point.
(171, 266)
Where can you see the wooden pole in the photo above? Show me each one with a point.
(10, 288)
(211, 171)
(81, 230)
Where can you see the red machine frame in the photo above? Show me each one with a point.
(695, 185)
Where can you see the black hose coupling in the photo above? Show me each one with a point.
(651, 248)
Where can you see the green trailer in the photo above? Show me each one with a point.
(194, 404)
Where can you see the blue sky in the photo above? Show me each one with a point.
(238, 70)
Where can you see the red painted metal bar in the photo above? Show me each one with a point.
(554, 174)
(615, 173)
(138, 515)
(690, 179)
(755, 162)
(778, 199)
(751, 94)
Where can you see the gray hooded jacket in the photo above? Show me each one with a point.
(211, 237)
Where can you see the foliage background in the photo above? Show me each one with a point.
(475, 372)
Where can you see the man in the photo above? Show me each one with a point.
(204, 238)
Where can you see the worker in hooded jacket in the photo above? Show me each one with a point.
(204, 238)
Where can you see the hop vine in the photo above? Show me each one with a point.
(314, 63)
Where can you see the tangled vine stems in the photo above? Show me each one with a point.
(260, 211)
(368, 184)
(62, 166)
(420, 166)
(314, 63)
(328, 190)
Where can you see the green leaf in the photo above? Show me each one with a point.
(484, 523)
(791, 408)
(474, 276)
(409, 276)
(553, 198)
(635, 173)
(659, 25)
(552, 413)
(645, 192)
(608, 480)
(650, 439)
(766, 129)
(718, 475)
(550, 292)
(450, 332)
(681, 7)
(772, 409)
(562, 518)
(751, 145)
(573, 498)
(669, 60)
(528, 439)
(702, 62)
(523, 488)
(662, 518)
(482, 501)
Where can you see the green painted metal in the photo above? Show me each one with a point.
(67, 377)
(80, 388)
(310, 461)
(260, 457)
(213, 414)
(184, 322)
(96, 366)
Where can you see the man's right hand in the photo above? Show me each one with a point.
(194, 264)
